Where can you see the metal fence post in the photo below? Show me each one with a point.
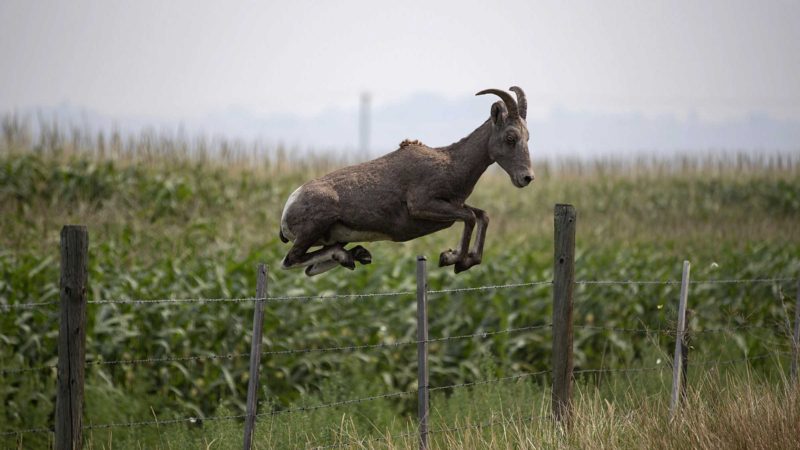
(422, 351)
(563, 290)
(255, 356)
(72, 337)
(677, 361)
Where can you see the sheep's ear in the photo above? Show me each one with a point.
(499, 113)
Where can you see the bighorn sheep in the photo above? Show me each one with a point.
(411, 192)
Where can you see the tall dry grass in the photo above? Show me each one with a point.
(731, 412)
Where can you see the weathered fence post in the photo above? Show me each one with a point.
(677, 361)
(685, 356)
(255, 356)
(422, 351)
(72, 337)
(796, 339)
(563, 289)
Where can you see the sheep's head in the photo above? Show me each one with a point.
(508, 144)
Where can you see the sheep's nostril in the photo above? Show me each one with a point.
(528, 179)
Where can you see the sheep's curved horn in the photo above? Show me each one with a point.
(522, 102)
(511, 104)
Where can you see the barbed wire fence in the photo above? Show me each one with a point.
(562, 325)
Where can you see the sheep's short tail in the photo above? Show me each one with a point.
(283, 238)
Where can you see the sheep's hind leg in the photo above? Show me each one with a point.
(320, 267)
(357, 253)
(297, 256)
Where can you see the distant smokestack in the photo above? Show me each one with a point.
(363, 125)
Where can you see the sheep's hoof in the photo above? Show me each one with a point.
(466, 263)
(344, 258)
(448, 258)
(361, 255)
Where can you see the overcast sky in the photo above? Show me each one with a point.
(183, 59)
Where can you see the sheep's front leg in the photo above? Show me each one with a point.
(475, 255)
(443, 211)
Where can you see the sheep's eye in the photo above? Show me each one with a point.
(511, 140)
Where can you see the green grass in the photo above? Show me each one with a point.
(168, 221)
(734, 408)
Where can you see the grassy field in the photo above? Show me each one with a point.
(166, 220)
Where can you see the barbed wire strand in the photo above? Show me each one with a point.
(369, 346)
(691, 363)
(390, 294)
(241, 416)
(314, 297)
(728, 329)
(709, 281)
(489, 381)
(483, 335)
(253, 299)
(335, 404)
(382, 396)
(625, 330)
(489, 287)
(27, 369)
(10, 306)
(26, 431)
(621, 370)
(216, 418)
(671, 331)
(737, 360)
(104, 426)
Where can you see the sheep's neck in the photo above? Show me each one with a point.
(470, 159)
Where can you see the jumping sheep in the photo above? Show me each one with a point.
(411, 192)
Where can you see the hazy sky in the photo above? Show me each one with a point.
(181, 59)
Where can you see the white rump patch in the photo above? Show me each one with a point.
(287, 233)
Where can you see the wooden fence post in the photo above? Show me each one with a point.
(685, 356)
(72, 337)
(677, 361)
(255, 356)
(422, 351)
(796, 339)
(563, 289)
